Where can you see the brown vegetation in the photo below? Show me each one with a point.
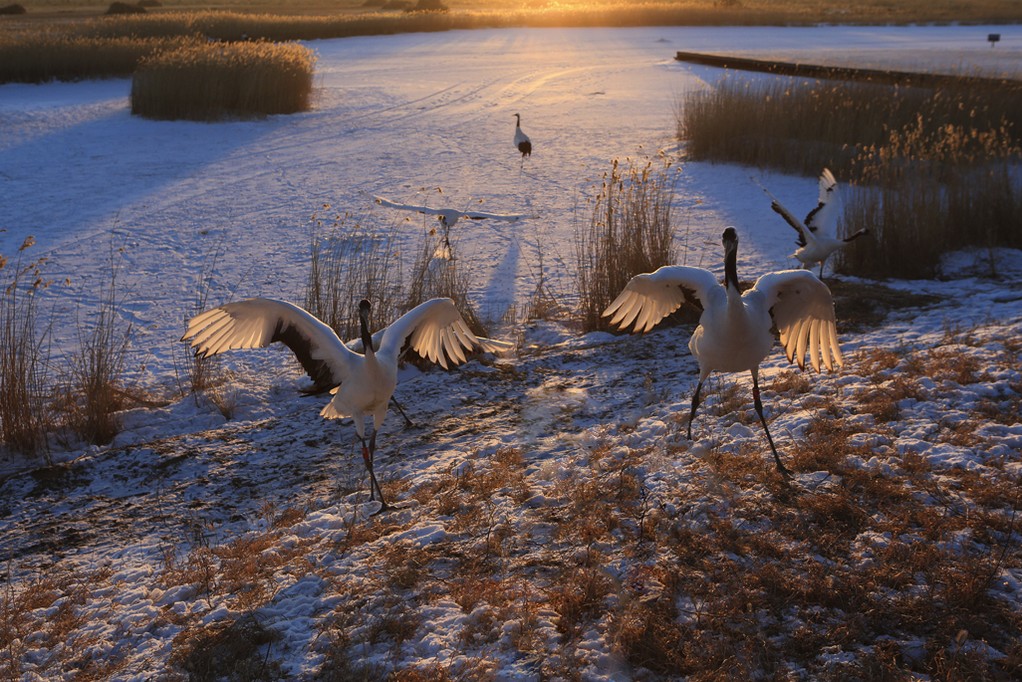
(214, 81)
(25, 415)
(628, 232)
(24, 51)
(348, 263)
(931, 170)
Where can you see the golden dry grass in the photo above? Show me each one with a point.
(224, 80)
(25, 413)
(629, 231)
(40, 49)
(929, 170)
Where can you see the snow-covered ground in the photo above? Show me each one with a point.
(134, 541)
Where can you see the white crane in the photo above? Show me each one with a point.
(817, 234)
(734, 332)
(364, 383)
(448, 217)
(522, 141)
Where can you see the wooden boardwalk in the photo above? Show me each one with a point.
(882, 76)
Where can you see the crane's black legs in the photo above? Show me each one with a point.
(408, 422)
(367, 457)
(759, 410)
(695, 404)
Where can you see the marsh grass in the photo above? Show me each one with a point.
(628, 232)
(100, 47)
(53, 55)
(438, 272)
(211, 81)
(348, 263)
(94, 390)
(26, 415)
(928, 170)
(924, 194)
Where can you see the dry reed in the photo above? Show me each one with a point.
(218, 80)
(94, 389)
(629, 232)
(347, 265)
(436, 273)
(28, 44)
(931, 170)
(25, 413)
(56, 56)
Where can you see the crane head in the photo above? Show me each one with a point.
(729, 238)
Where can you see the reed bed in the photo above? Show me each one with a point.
(629, 231)
(801, 126)
(25, 414)
(931, 170)
(211, 81)
(58, 56)
(29, 42)
(347, 264)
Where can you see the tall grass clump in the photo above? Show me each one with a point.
(213, 81)
(25, 413)
(629, 232)
(436, 273)
(931, 169)
(94, 390)
(925, 193)
(801, 126)
(346, 265)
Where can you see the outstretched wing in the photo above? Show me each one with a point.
(436, 331)
(780, 210)
(823, 218)
(650, 297)
(408, 207)
(259, 322)
(479, 215)
(803, 312)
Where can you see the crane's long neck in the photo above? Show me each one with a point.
(731, 270)
(367, 338)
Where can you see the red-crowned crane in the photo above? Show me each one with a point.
(817, 234)
(363, 382)
(734, 332)
(448, 217)
(522, 141)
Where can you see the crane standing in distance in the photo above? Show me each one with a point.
(734, 332)
(522, 141)
(363, 383)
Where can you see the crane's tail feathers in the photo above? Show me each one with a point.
(332, 411)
